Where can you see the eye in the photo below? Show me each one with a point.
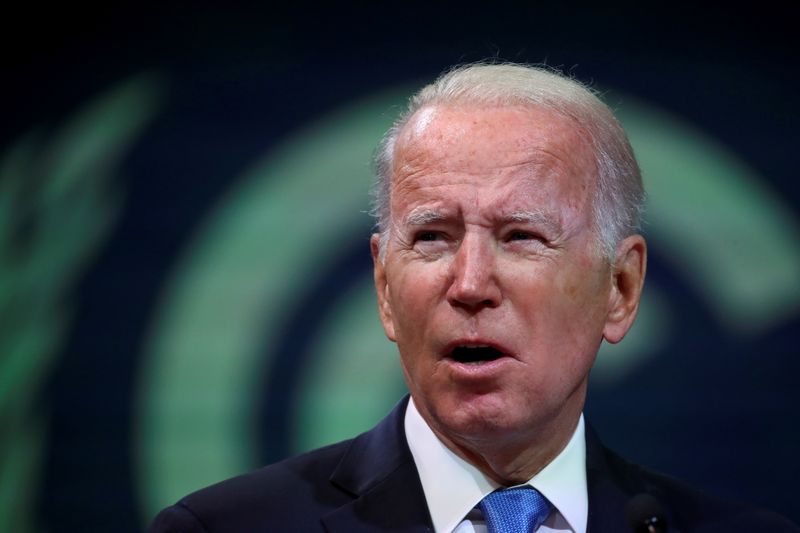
(431, 243)
(427, 236)
(523, 240)
(522, 236)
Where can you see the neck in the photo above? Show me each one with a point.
(514, 458)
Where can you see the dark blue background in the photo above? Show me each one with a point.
(244, 77)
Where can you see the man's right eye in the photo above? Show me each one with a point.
(427, 236)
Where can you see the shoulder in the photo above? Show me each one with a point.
(689, 509)
(290, 495)
(295, 494)
(700, 511)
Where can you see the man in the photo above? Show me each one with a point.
(508, 204)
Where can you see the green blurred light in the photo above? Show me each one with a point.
(355, 379)
(717, 221)
(58, 202)
(245, 269)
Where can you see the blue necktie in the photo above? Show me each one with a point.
(515, 510)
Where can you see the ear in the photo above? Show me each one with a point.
(382, 288)
(627, 281)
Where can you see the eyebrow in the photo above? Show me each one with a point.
(534, 218)
(419, 216)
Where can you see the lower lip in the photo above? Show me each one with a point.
(483, 370)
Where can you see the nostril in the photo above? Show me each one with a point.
(474, 299)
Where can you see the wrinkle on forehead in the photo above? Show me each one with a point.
(442, 139)
(448, 123)
(517, 157)
(540, 170)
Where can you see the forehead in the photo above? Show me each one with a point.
(516, 152)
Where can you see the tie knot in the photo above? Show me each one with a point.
(515, 510)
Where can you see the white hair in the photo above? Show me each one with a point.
(619, 198)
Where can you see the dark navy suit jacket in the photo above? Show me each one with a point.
(370, 483)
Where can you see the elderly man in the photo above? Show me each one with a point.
(508, 204)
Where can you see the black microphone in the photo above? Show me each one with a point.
(645, 514)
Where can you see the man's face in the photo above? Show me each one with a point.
(493, 286)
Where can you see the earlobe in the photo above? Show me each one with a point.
(628, 279)
(382, 288)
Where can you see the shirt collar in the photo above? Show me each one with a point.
(453, 486)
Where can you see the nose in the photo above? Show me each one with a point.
(473, 283)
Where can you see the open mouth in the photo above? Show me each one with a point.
(475, 354)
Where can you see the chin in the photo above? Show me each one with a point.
(479, 417)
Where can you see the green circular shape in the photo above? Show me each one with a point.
(204, 358)
(355, 378)
(717, 221)
(204, 355)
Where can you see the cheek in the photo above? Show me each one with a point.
(413, 293)
(582, 280)
(577, 298)
(568, 327)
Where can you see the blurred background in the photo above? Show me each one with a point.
(185, 288)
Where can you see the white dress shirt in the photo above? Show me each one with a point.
(453, 487)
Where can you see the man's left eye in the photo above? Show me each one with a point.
(521, 236)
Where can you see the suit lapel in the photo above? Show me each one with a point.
(612, 483)
(608, 492)
(379, 472)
